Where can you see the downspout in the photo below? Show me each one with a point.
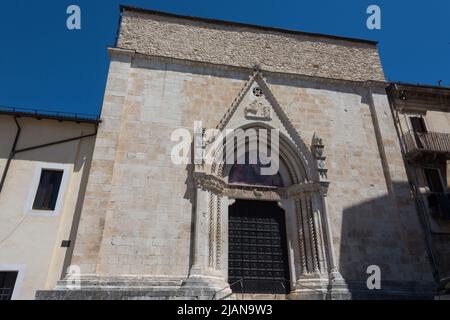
(11, 154)
(14, 151)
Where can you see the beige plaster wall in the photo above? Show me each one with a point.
(29, 241)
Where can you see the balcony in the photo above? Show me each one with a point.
(421, 143)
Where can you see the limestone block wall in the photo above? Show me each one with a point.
(137, 216)
(372, 213)
(195, 39)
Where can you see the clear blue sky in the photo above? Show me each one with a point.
(44, 65)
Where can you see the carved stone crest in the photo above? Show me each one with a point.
(259, 108)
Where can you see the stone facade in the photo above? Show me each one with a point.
(225, 43)
(154, 229)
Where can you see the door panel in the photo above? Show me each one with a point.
(258, 247)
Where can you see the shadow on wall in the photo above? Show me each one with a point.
(190, 195)
(386, 232)
(38, 133)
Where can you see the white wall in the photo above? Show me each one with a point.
(31, 240)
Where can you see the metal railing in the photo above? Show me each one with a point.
(426, 141)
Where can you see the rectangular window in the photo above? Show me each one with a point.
(434, 180)
(48, 189)
(418, 124)
(7, 282)
(418, 127)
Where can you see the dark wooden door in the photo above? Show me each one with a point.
(257, 248)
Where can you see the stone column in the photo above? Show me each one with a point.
(321, 242)
(312, 283)
(318, 274)
(204, 281)
(337, 286)
(200, 263)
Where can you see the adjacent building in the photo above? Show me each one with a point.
(44, 167)
(422, 117)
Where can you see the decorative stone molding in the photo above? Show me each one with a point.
(300, 189)
(237, 100)
(312, 225)
(324, 187)
(211, 231)
(209, 182)
(219, 233)
(300, 148)
(258, 109)
(215, 231)
(252, 192)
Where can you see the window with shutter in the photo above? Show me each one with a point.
(48, 189)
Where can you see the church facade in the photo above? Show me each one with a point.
(162, 221)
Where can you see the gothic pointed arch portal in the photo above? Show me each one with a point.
(301, 194)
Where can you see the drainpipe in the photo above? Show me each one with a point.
(11, 154)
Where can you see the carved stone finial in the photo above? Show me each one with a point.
(317, 147)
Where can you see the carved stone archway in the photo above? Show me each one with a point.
(313, 270)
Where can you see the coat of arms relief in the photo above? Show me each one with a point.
(259, 108)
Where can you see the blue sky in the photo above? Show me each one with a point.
(43, 65)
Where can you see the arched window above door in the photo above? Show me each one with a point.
(250, 174)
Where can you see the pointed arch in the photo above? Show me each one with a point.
(310, 243)
(292, 146)
(298, 162)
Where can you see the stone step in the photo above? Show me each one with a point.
(258, 296)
